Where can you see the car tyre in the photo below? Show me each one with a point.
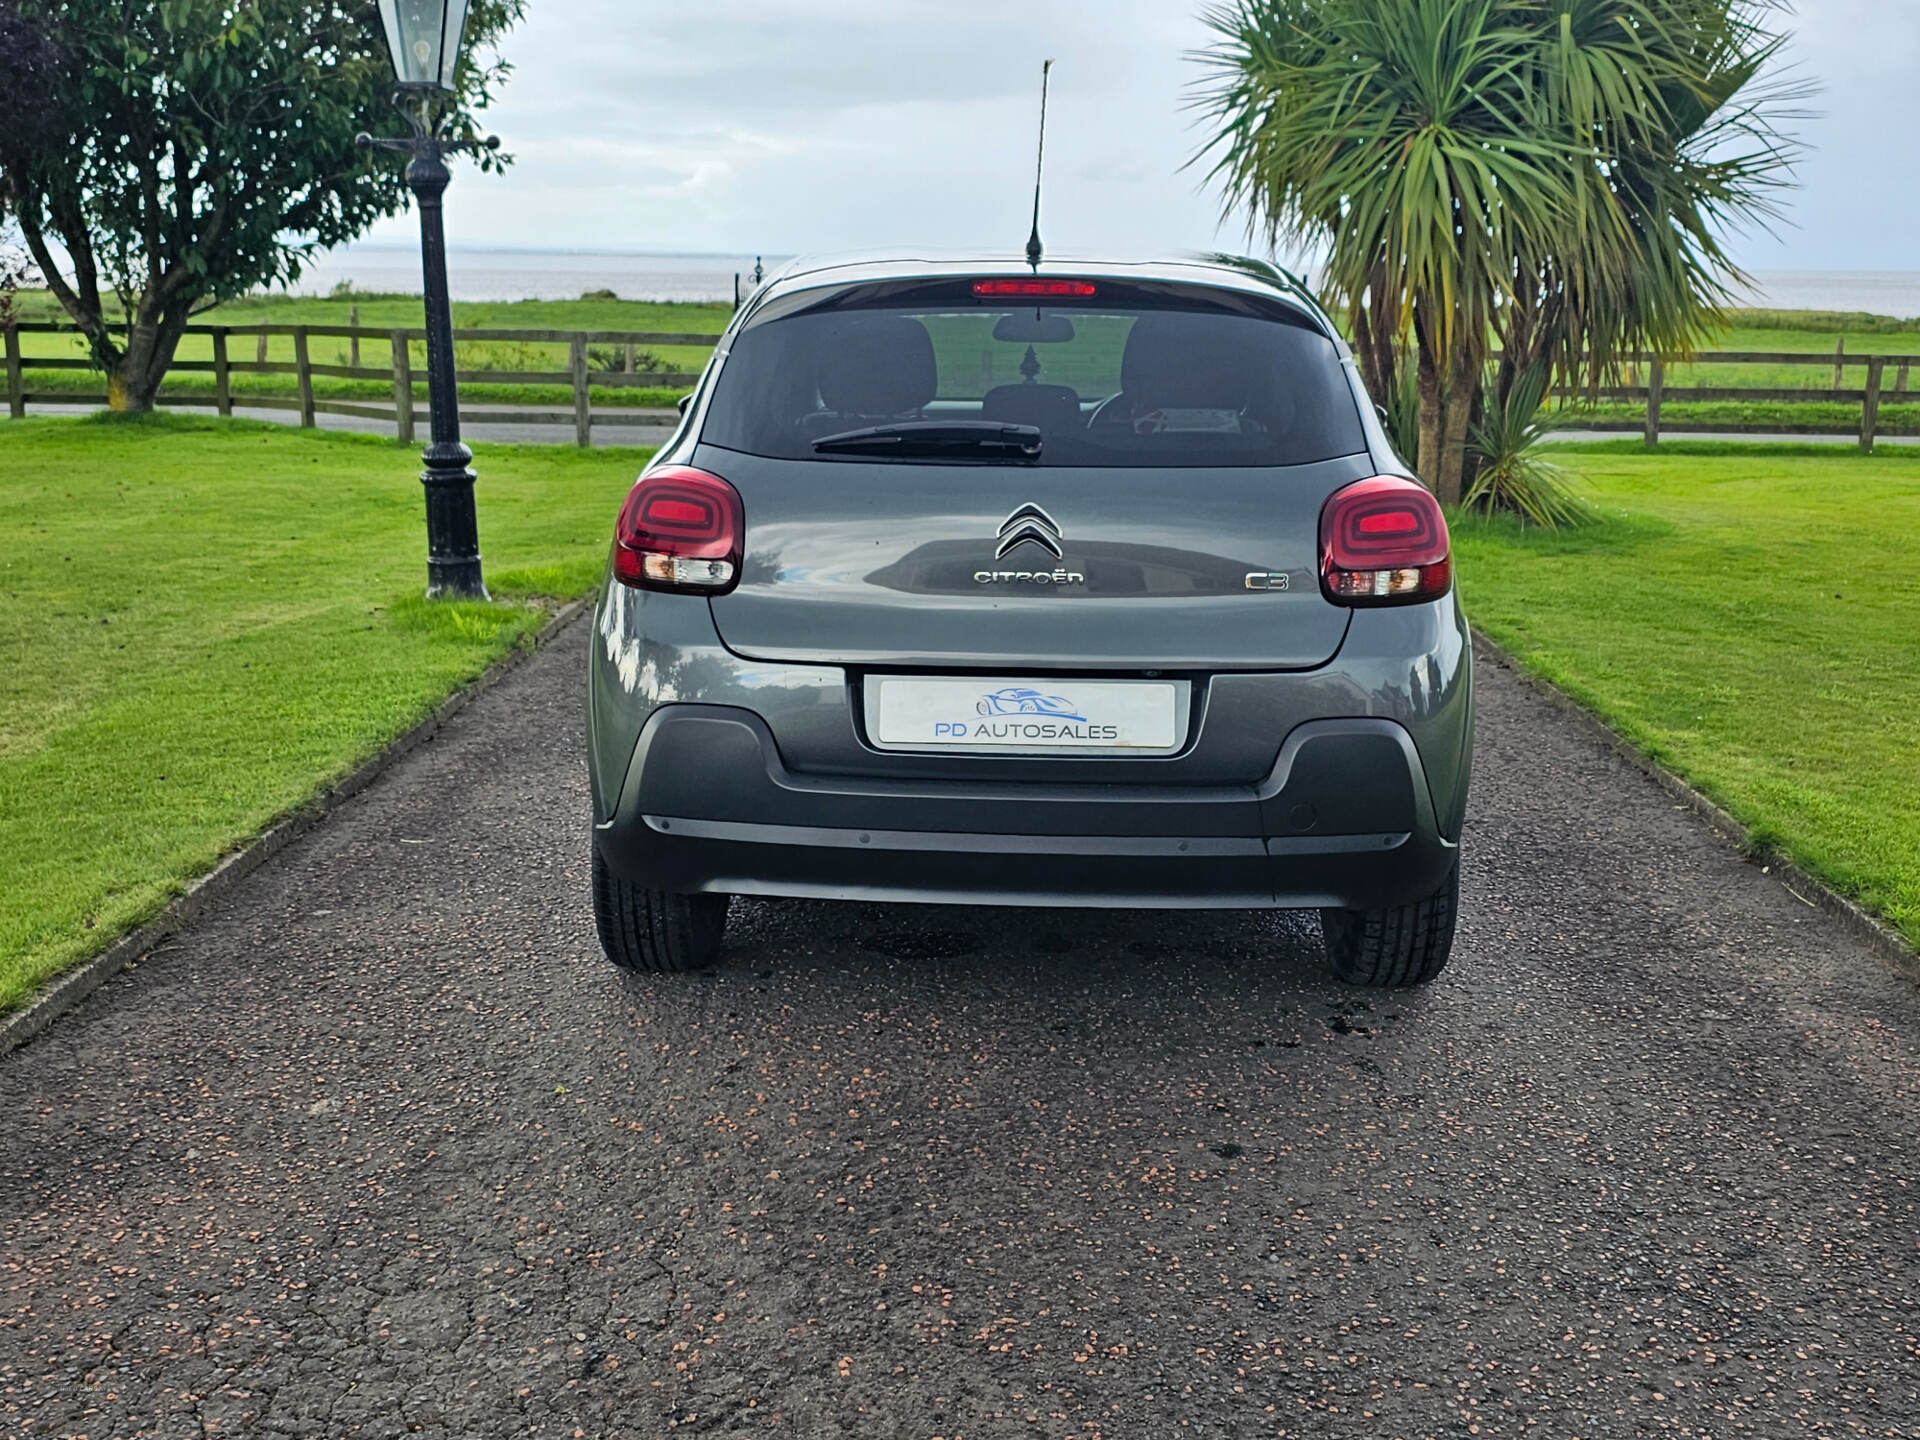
(1395, 945)
(655, 930)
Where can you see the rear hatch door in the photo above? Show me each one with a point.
(938, 566)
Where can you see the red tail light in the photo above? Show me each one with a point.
(1384, 542)
(1038, 288)
(681, 529)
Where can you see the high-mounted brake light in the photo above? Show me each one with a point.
(1037, 288)
(681, 529)
(1384, 542)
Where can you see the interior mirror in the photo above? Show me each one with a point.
(1033, 327)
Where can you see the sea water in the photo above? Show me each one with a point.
(497, 275)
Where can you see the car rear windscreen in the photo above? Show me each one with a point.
(1105, 385)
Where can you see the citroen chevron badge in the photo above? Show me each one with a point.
(1029, 524)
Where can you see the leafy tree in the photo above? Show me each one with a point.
(184, 152)
(31, 77)
(17, 272)
(1553, 174)
(34, 72)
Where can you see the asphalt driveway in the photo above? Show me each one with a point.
(383, 1146)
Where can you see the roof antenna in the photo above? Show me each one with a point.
(1033, 240)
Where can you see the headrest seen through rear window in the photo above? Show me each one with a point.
(877, 365)
(1184, 361)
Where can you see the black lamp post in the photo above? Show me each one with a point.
(424, 38)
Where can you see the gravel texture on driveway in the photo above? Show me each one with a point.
(383, 1146)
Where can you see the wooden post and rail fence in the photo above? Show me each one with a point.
(405, 410)
(1656, 395)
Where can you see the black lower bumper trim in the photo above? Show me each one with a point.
(708, 807)
(934, 841)
(736, 858)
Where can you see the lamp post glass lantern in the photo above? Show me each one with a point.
(424, 38)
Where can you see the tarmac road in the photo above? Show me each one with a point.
(500, 432)
(383, 1146)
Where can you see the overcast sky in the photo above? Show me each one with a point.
(775, 127)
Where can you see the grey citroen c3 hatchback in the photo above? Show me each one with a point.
(1078, 584)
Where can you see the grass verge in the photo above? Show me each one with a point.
(1746, 616)
(208, 622)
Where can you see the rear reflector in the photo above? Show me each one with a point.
(681, 529)
(1036, 287)
(1384, 542)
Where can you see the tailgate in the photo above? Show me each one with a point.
(955, 566)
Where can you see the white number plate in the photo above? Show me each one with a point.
(914, 713)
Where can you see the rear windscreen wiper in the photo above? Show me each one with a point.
(986, 438)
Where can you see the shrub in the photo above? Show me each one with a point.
(612, 359)
(1834, 321)
(1512, 477)
(513, 355)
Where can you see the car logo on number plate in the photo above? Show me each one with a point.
(1018, 700)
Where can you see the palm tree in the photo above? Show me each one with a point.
(1553, 174)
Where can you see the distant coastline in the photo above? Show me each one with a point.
(1873, 292)
(501, 273)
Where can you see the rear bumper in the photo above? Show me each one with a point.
(1344, 819)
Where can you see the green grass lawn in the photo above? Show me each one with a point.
(206, 622)
(1748, 617)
